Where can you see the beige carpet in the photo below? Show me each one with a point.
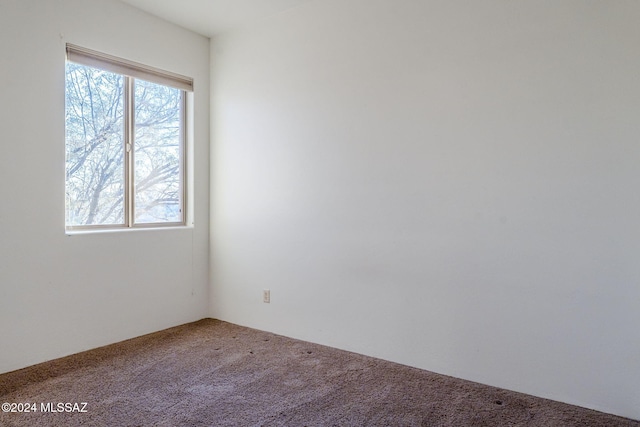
(212, 373)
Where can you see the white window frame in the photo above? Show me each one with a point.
(131, 70)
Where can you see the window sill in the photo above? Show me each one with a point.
(79, 232)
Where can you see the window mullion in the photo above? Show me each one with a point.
(128, 150)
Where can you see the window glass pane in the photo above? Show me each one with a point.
(94, 146)
(157, 151)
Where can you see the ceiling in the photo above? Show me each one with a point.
(212, 17)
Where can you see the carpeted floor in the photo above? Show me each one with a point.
(212, 373)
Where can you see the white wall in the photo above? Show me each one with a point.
(452, 185)
(62, 294)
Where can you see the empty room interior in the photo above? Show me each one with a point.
(448, 186)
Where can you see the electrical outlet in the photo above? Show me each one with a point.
(266, 296)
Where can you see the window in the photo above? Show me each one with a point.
(125, 143)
